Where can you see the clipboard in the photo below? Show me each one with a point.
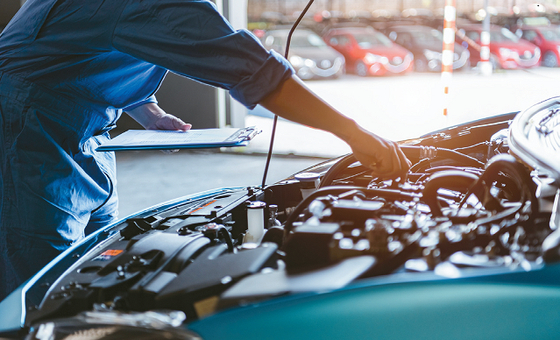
(170, 140)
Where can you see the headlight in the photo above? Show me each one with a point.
(431, 55)
(409, 56)
(506, 52)
(309, 63)
(537, 52)
(296, 61)
(372, 58)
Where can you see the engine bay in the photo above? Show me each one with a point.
(476, 200)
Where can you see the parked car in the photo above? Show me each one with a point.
(426, 44)
(310, 56)
(547, 38)
(507, 51)
(467, 246)
(368, 52)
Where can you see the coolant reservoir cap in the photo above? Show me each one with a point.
(307, 176)
(308, 179)
(255, 205)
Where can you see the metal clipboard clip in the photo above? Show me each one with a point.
(248, 133)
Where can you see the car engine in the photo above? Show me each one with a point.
(481, 197)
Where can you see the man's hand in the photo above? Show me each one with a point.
(382, 156)
(294, 101)
(152, 117)
(168, 122)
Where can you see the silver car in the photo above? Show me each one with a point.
(309, 54)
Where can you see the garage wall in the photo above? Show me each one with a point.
(7, 10)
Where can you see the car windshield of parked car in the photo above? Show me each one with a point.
(503, 35)
(307, 40)
(371, 40)
(277, 40)
(551, 34)
(427, 36)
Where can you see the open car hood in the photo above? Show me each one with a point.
(466, 246)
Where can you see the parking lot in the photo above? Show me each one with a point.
(395, 107)
(408, 106)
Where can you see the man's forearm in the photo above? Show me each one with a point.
(146, 114)
(294, 101)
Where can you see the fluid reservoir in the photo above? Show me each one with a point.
(255, 222)
(309, 182)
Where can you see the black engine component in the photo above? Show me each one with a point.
(455, 206)
(466, 204)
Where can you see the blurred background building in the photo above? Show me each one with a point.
(287, 9)
(270, 10)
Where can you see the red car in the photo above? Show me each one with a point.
(547, 38)
(507, 50)
(369, 52)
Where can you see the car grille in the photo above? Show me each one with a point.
(528, 58)
(395, 67)
(526, 55)
(322, 68)
(396, 61)
(324, 64)
(461, 60)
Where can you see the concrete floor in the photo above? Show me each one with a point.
(146, 178)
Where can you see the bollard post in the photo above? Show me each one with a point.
(449, 17)
(485, 66)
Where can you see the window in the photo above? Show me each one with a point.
(473, 35)
(529, 35)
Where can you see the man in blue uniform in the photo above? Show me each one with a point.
(69, 68)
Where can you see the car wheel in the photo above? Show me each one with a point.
(361, 69)
(495, 63)
(550, 60)
(420, 65)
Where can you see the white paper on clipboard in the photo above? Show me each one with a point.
(165, 140)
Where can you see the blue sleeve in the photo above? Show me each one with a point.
(191, 38)
(150, 99)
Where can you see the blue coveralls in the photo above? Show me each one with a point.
(68, 68)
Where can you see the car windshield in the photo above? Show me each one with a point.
(503, 35)
(372, 39)
(427, 36)
(302, 39)
(307, 40)
(551, 34)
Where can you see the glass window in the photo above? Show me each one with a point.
(427, 36)
(473, 35)
(529, 35)
(342, 40)
(307, 40)
(403, 39)
(372, 39)
(503, 35)
(551, 34)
